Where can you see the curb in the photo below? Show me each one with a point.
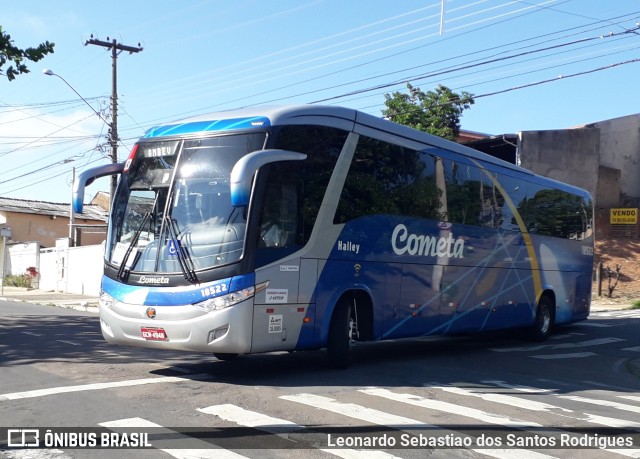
(84, 306)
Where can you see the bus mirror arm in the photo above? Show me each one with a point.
(87, 177)
(246, 167)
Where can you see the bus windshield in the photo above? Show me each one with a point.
(173, 212)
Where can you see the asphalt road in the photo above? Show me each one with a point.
(582, 385)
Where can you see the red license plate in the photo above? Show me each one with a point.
(154, 334)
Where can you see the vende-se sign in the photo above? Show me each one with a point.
(624, 216)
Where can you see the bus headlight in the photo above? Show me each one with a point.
(225, 301)
(105, 300)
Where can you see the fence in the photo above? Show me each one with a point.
(60, 269)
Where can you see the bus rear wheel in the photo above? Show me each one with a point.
(342, 334)
(541, 328)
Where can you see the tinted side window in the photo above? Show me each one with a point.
(517, 192)
(386, 178)
(552, 212)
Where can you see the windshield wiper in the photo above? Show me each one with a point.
(132, 244)
(184, 259)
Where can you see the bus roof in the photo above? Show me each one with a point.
(346, 118)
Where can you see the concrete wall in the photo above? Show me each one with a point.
(21, 256)
(620, 149)
(72, 269)
(568, 155)
(602, 157)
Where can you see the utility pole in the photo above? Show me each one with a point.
(113, 131)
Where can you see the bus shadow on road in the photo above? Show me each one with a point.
(389, 363)
(414, 361)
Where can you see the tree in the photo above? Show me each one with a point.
(15, 56)
(437, 112)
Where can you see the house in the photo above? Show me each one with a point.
(46, 222)
(35, 238)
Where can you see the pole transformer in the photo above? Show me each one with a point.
(113, 126)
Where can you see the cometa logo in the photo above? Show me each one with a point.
(153, 280)
(404, 242)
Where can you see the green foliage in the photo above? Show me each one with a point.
(23, 280)
(635, 305)
(437, 112)
(16, 57)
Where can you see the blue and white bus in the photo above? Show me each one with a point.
(309, 227)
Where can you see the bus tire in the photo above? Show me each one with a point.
(340, 340)
(541, 328)
(225, 356)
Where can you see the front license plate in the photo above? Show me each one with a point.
(154, 334)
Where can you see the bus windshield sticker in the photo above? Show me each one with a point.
(119, 252)
(277, 295)
(173, 247)
(289, 268)
(275, 323)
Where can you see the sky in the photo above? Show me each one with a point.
(531, 65)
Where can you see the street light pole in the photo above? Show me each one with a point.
(51, 73)
(71, 211)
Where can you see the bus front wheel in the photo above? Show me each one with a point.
(342, 334)
(544, 320)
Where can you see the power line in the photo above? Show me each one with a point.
(461, 67)
(558, 78)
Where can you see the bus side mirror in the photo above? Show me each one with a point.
(87, 177)
(246, 167)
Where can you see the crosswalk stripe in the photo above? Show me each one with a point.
(389, 420)
(509, 400)
(452, 408)
(28, 453)
(594, 419)
(518, 387)
(352, 410)
(278, 426)
(248, 418)
(610, 422)
(87, 387)
(210, 452)
(356, 454)
(500, 420)
(611, 404)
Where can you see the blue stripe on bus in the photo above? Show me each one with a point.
(175, 296)
(193, 127)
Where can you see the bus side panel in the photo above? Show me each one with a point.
(277, 314)
(415, 309)
(340, 276)
(567, 269)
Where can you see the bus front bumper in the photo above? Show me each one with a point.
(183, 328)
